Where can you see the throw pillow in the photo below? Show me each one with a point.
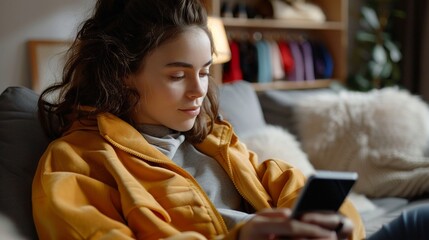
(22, 142)
(274, 142)
(381, 134)
(239, 105)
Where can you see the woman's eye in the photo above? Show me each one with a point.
(178, 76)
(205, 74)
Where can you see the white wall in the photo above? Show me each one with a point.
(21, 20)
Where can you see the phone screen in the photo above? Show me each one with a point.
(324, 192)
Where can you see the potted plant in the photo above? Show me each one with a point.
(377, 55)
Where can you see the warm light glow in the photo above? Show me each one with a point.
(222, 52)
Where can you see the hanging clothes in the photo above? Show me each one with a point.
(248, 60)
(297, 74)
(264, 61)
(276, 61)
(323, 62)
(287, 59)
(267, 60)
(307, 54)
(232, 70)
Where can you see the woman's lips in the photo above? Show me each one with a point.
(191, 111)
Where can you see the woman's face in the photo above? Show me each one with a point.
(173, 81)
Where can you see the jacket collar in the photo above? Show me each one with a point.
(124, 136)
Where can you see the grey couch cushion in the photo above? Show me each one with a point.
(278, 106)
(239, 105)
(22, 142)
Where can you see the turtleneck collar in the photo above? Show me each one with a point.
(163, 138)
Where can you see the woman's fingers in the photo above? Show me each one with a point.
(275, 212)
(336, 222)
(277, 223)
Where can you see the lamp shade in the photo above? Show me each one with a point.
(222, 52)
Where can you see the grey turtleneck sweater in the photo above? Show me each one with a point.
(207, 171)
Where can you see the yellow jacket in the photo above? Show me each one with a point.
(103, 180)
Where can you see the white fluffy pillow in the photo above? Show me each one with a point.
(381, 134)
(275, 142)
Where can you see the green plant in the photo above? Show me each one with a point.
(377, 55)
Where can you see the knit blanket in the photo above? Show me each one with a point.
(381, 134)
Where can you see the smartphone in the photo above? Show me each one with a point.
(324, 191)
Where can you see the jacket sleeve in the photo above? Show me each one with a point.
(71, 202)
(284, 183)
(68, 205)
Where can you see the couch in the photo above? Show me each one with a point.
(254, 117)
(382, 134)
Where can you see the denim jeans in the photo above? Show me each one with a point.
(412, 224)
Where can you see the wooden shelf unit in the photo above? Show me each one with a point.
(277, 24)
(290, 85)
(333, 33)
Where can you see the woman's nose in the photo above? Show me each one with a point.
(197, 88)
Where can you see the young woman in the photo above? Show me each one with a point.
(141, 152)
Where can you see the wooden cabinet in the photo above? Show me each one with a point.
(332, 33)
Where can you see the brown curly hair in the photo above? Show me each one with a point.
(111, 45)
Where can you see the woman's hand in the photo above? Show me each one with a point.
(342, 226)
(277, 224)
